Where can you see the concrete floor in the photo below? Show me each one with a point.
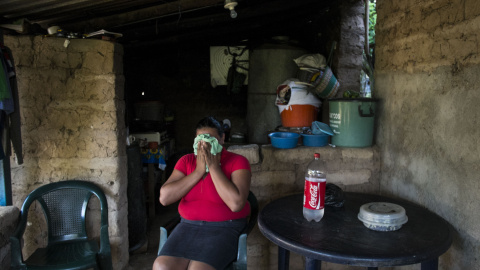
(143, 258)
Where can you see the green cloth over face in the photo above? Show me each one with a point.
(215, 146)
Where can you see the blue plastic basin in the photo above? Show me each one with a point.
(315, 140)
(284, 140)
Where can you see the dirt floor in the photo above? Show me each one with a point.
(143, 258)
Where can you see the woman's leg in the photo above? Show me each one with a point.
(196, 265)
(170, 263)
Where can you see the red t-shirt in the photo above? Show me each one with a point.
(202, 202)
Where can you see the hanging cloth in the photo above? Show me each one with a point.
(9, 107)
(6, 101)
(235, 79)
(4, 87)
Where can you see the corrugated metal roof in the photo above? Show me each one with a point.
(57, 12)
(159, 19)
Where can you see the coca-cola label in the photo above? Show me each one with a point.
(314, 194)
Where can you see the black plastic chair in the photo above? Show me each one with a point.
(64, 205)
(241, 261)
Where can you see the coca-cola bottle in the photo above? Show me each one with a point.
(314, 191)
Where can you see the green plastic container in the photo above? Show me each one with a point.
(352, 121)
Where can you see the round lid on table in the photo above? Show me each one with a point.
(382, 213)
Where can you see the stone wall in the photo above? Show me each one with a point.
(351, 41)
(279, 172)
(427, 66)
(72, 113)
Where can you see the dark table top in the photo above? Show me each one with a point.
(341, 238)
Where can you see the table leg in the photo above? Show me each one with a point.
(283, 258)
(430, 265)
(312, 264)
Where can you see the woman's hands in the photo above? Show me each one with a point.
(205, 156)
(178, 184)
(201, 158)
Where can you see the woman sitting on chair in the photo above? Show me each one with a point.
(213, 186)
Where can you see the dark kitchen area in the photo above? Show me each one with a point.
(173, 65)
(382, 93)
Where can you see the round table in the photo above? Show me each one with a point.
(341, 238)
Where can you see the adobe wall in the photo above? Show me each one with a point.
(72, 113)
(427, 77)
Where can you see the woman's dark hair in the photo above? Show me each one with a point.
(210, 122)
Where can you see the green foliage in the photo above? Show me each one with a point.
(372, 21)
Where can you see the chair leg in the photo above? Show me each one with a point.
(241, 262)
(163, 239)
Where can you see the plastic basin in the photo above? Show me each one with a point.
(284, 140)
(315, 140)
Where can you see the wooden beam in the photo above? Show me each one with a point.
(144, 14)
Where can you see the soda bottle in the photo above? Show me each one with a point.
(314, 190)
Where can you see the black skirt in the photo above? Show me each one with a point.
(214, 243)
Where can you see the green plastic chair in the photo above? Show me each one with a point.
(241, 261)
(64, 205)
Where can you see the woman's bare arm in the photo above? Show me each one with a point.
(179, 184)
(235, 192)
